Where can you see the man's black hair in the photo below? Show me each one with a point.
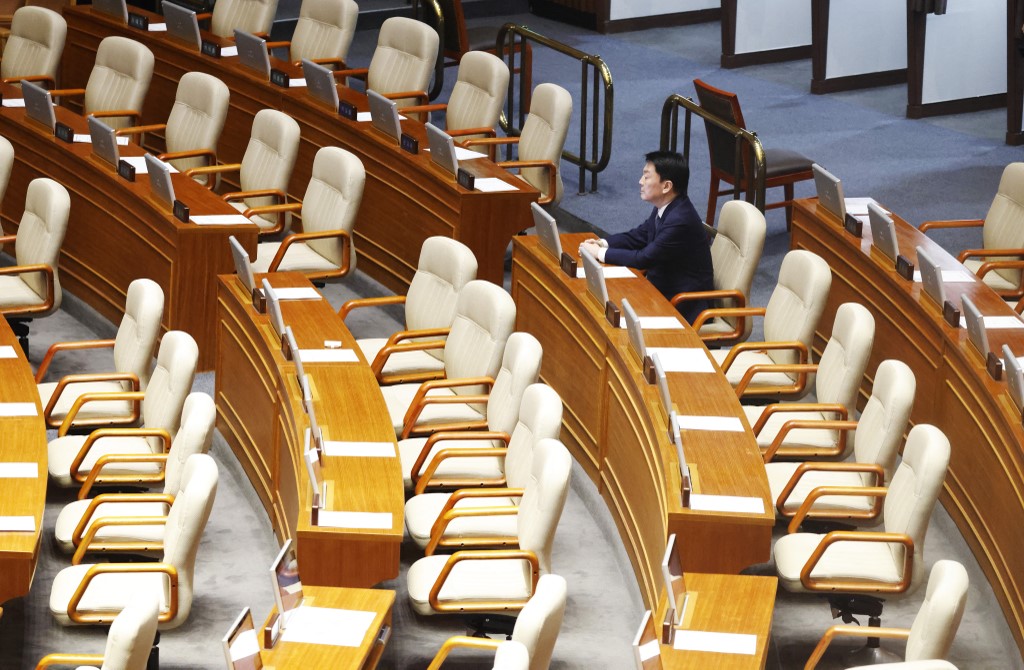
(671, 166)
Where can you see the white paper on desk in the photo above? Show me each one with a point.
(650, 650)
(997, 322)
(14, 102)
(297, 293)
(7, 351)
(492, 185)
(655, 322)
(683, 359)
(949, 276)
(722, 643)
(322, 625)
(17, 524)
(711, 503)
(227, 52)
(859, 206)
(609, 272)
(368, 520)
(218, 219)
(139, 163)
(364, 117)
(297, 82)
(245, 645)
(328, 356)
(157, 28)
(85, 138)
(359, 449)
(19, 470)
(18, 409)
(730, 424)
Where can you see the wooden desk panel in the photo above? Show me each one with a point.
(984, 488)
(260, 414)
(615, 427)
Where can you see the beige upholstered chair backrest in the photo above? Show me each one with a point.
(478, 93)
(269, 157)
(194, 437)
(842, 364)
(736, 251)
(170, 383)
(485, 316)
(6, 165)
(404, 58)
(444, 267)
(543, 134)
(934, 627)
(540, 418)
(324, 29)
(332, 201)
(41, 232)
(131, 635)
(881, 424)
(1004, 223)
(511, 655)
(797, 302)
(541, 505)
(252, 16)
(540, 620)
(140, 326)
(185, 522)
(119, 79)
(35, 44)
(520, 366)
(197, 117)
(914, 490)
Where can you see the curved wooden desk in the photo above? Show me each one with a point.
(614, 424)
(260, 414)
(22, 439)
(406, 198)
(984, 488)
(117, 232)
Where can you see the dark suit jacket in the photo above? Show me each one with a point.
(677, 256)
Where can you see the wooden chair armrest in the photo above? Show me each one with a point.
(396, 344)
(278, 45)
(777, 407)
(79, 659)
(89, 542)
(208, 154)
(846, 630)
(66, 346)
(114, 433)
(274, 209)
(25, 269)
(490, 141)
(552, 176)
(860, 585)
(204, 16)
(291, 239)
(450, 512)
(94, 397)
(718, 294)
(358, 73)
(415, 109)
(336, 62)
(213, 169)
(461, 132)
(427, 479)
(421, 399)
(735, 351)
(713, 312)
(115, 499)
(122, 568)
(256, 193)
(842, 426)
(451, 436)
(32, 77)
(963, 223)
(67, 380)
(878, 492)
(398, 95)
(985, 253)
(482, 605)
(4, 239)
(811, 466)
(802, 368)
(460, 642)
(358, 303)
(94, 478)
(139, 130)
(109, 113)
(66, 92)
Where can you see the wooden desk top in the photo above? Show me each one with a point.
(22, 439)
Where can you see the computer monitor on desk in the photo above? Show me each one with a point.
(104, 142)
(38, 104)
(830, 192)
(116, 8)
(976, 332)
(442, 149)
(634, 329)
(596, 286)
(252, 52)
(182, 24)
(160, 180)
(883, 232)
(243, 267)
(284, 576)
(1014, 377)
(547, 231)
(321, 83)
(242, 645)
(931, 277)
(384, 114)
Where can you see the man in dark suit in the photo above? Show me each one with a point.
(671, 244)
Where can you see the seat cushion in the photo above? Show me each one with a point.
(108, 593)
(505, 579)
(422, 510)
(992, 278)
(115, 409)
(780, 162)
(809, 438)
(482, 468)
(405, 362)
(299, 258)
(399, 397)
(745, 361)
(716, 327)
(849, 560)
(16, 293)
(260, 221)
(72, 513)
(779, 475)
(62, 451)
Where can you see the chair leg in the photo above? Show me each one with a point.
(787, 190)
(20, 328)
(153, 662)
(494, 626)
(712, 202)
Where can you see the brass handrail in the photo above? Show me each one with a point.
(742, 137)
(601, 125)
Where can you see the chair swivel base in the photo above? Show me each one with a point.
(495, 626)
(20, 328)
(846, 606)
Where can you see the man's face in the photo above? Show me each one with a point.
(652, 188)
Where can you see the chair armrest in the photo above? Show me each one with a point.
(811, 466)
(984, 253)
(115, 499)
(398, 95)
(428, 479)
(94, 397)
(491, 143)
(721, 294)
(415, 109)
(32, 78)
(337, 62)
(714, 312)
(962, 223)
(204, 16)
(552, 176)
(482, 605)
(66, 346)
(803, 368)
(123, 568)
(842, 426)
(396, 344)
(461, 642)
(358, 303)
(93, 477)
(778, 407)
(139, 130)
(213, 169)
(4, 239)
(278, 45)
(346, 243)
(256, 193)
(89, 542)
(735, 351)
(114, 433)
(846, 630)
(86, 659)
(357, 73)
(860, 585)
(275, 209)
(421, 399)
(25, 269)
(461, 132)
(208, 154)
(109, 113)
(452, 436)
(67, 380)
(66, 92)
(450, 512)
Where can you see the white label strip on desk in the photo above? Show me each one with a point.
(245, 645)
(328, 356)
(359, 449)
(363, 520)
(218, 219)
(949, 276)
(722, 643)
(7, 351)
(19, 470)
(85, 138)
(859, 206)
(464, 154)
(730, 424)
(157, 28)
(322, 625)
(17, 524)
(649, 650)
(14, 102)
(610, 272)
(740, 504)
(227, 52)
(997, 322)
(139, 163)
(297, 82)
(364, 117)
(492, 185)
(297, 293)
(655, 322)
(18, 409)
(682, 359)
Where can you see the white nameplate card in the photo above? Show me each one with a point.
(14, 102)
(610, 272)
(80, 138)
(157, 28)
(739, 504)
(492, 185)
(17, 524)
(364, 117)
(364, 520)
(7, 351)
(245, 645)
(328, 356)
(227, 52)
(949, 276)
(464, 154)
(859, 206)
(298, 82)
(722, 643)
(359, 449)
(682, 359)
(650, 650)
(296, 293)
(656, 323)
(19, 470)
(997, 322)
(139, 163)
(730, 424)
(18, 409)
(218, 219)
(323, 625)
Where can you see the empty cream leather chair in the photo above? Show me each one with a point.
(809, 430)
(325, 248)
(540, 142)
(6, 165)
(735, 253)
(194, 436)
(790, 318)
(252, 16)
(118, 83)
(444, 267)
(484, 318)
(265, 169)
(536, 629)
(323, 33)
(129, 641)
(875, 437)
(133, 349)
(931, 635)
(34, 47)
(95, 594)
(1000, 260)
(71, 457)
(500, 580)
